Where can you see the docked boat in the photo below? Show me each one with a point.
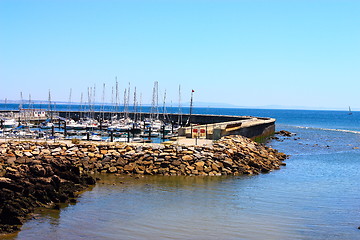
(9, 124)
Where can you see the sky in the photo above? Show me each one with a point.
(248, 53)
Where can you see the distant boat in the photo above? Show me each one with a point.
(350, 111)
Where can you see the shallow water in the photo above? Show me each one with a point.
(316, 196)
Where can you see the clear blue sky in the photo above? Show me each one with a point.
(245, 52)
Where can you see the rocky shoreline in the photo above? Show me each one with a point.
(42, 173)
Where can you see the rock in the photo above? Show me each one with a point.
(130, 167)
(215, 167)
(176, 162)
(200, 164)
(18, 153)
(32, 184)
(228, 162)
(187, 158)
(284, 133)
(10, 160)
(45, 152)
(28, 154)
(112, 169)
(56, 150)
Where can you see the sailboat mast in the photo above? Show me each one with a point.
(180, 112)
(140, 110)
(125, 94)
(191, 107)
(164, 106)
(128, 102)
(103, 102)
(49, 106)
(81, 105)
(116, 96)
(68, 112)
(135, 105)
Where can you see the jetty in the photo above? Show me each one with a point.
(67, 124)
(36, 172)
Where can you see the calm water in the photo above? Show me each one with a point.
(316, 196)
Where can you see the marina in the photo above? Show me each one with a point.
(127, 126)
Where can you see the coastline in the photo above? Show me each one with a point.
(60, 169)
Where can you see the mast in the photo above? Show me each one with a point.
(30, 105)
(21, 101)
(68, 113)
(125, 95)
(49, 106)
(112, 103)
(164, 106)
(93, 102)
(180, 111)
(81, 105)
(155, 102)
(128, 102)
(191, 107)
(103, 102)
(140, 110)
(20, 106)
(116, 96)
(135, 105)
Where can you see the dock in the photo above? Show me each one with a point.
(195, 126)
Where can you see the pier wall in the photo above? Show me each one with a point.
(215, 126)
(171, 117)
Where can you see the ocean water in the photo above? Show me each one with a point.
(316, 196)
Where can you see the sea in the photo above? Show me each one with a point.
(315, 196)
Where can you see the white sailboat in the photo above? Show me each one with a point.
(350, 111)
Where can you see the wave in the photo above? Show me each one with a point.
(329, 129)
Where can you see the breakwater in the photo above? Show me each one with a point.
(191, 126)
(41, 182)
(40, 173)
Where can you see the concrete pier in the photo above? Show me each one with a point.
(251, 127)
(201, 126)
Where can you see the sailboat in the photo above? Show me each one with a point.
(350, 111)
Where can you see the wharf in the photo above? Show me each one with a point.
(202, 126)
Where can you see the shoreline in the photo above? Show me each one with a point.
(59, 170)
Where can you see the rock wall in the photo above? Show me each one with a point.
(37, 174)
(28, 184)
(232, 155)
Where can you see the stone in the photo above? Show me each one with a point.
(28, 154)
(45, 151)
(190, 167)
(147, 162)
(200, 164)
(228, 162)
(10, 160)
(112, 169)
(215, 167)
(176, 162)
(187, 158)
(18, 153)
(58, 149)
(130, 167)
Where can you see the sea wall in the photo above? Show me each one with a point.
(26, 184)
(231, 155)
(37, 174)
(255, 128)
(183, 118)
